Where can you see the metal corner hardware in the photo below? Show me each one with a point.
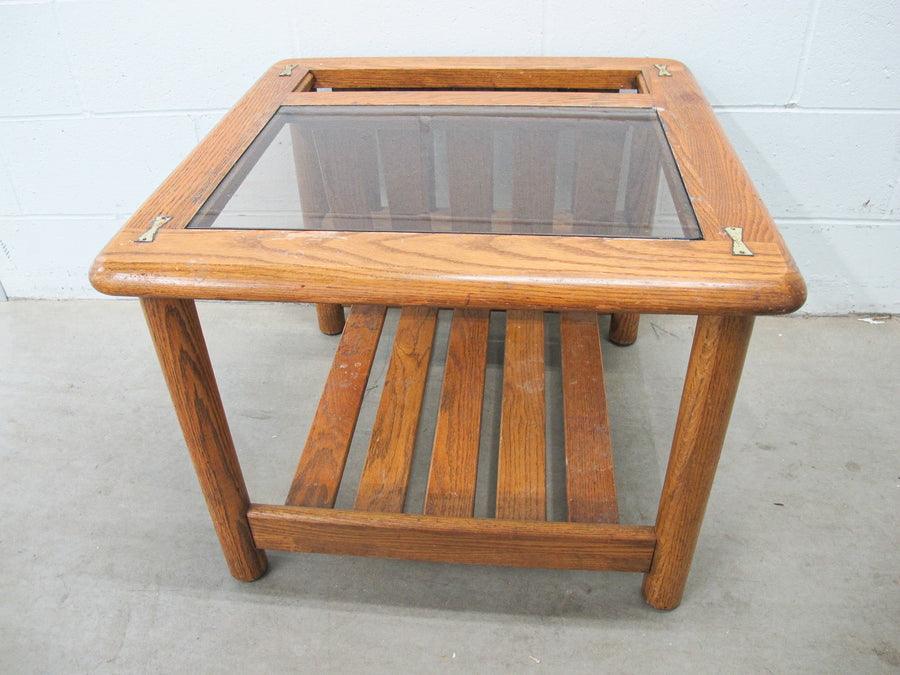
(663, 69)
(150, 233)
(738, 247)
(287, 70)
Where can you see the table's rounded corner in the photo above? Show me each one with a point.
(794, 291)
(100, 277)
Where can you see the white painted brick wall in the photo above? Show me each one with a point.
(99, 100)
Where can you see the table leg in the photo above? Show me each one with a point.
(714, 370)
(182, 353)
(331, 318)
(623, 328)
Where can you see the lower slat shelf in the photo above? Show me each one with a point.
(520, 531)
(477, 541)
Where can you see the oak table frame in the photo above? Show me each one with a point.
(725, 278)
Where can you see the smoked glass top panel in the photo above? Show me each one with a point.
(562, 171)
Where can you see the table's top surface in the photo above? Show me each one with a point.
(479, 169)
(601, 184)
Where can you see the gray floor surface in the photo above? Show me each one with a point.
(109, 562)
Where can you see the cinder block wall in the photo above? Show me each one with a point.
(100, 100)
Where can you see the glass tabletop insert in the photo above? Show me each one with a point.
(561, 171)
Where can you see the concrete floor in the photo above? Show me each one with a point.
(108, 560)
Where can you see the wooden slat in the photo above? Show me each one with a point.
(385, 475)
(470, 164)
(598, 161)
(477, 541)
(321, 466)
(521, 468)
(405, 159)
(590, 481)
(534, 178)
(349, 165)
(454, 459)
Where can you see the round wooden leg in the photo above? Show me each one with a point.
(623, 328)
(331, 318)
(185, 362)
(714, 370)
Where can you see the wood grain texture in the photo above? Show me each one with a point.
(454, 270)
(318, 475)
(454, 458)
(623, 328)
(521, 466)
(235, 267)
(475, 78)
(182, 353)
(471, 98)
(478, 541)
(330, 317)
(385, 475)
(522, 273)
(721, 191)
(717, 358)
(590, 478)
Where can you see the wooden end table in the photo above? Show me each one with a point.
(528, 185)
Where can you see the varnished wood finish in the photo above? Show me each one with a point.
(519, 272)
(717, 357)
(471, 98)
(590, 479)
(182, 353)
(623, 328)
(454, 458)
(478, 541)
(637, 275)
(321, 465)
(458, 270)
(490, 78)
(330, 317)
(521, 467)
(386, 471)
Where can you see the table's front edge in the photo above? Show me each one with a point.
(455, 270)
